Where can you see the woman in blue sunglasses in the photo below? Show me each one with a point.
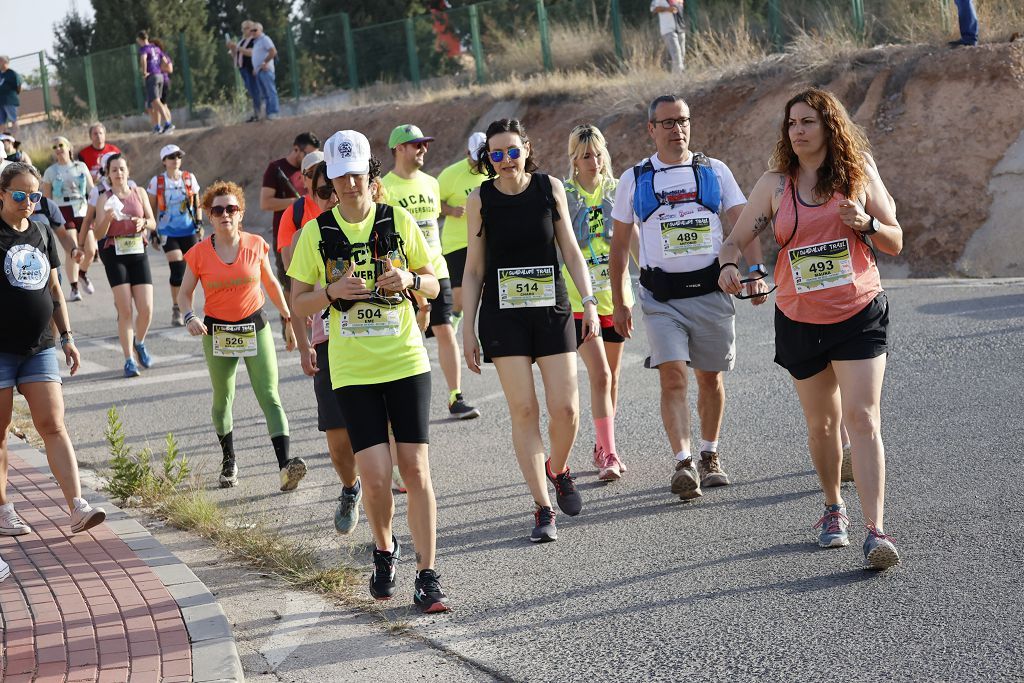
(518, 224)
(30, 287)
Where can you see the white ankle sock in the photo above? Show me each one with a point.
(683, 454)
(709, 446)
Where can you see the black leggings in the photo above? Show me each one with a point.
(368, 408)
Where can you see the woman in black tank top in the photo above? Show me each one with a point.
(515, 221)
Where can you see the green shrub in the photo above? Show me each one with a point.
(132, 474)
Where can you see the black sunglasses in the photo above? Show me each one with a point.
(176, 155)
(325, 192)
(748, 280)
(230, 209)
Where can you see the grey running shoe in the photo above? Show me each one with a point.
(685, 482)
(346, 515)
(461, 410)
(10, 523)
(292, 473)
(711, 472)
(879, 550)
(176, 319)
(86, 283)
(74, 295)
(833, 525)
(228, 473)
(568, 498)
(846, 472)
(544, 530)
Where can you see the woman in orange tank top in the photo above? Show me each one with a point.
(824, 199)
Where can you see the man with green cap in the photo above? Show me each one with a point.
(409, 187)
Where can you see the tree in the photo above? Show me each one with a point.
(74, 40)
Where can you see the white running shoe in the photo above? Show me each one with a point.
(85, 516)
(10, 523)
(86, 283)
(5, 570)
(75, 295)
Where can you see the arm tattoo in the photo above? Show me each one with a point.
(760, 224)
(782, 186)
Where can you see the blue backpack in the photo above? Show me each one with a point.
(646, 201)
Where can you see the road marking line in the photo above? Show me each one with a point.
(116, 386)
(299, 612)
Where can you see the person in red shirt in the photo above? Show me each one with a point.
(90, 155)
(824, 199)
(282, 185)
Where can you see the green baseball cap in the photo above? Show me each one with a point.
(406, 133)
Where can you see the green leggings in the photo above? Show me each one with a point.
(262, 369)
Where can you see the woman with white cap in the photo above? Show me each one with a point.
(302, 210)
(67, 183)
(174, 195)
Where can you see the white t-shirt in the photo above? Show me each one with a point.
(653, 252)
(69, 185)
(175, 219)
(666, 20)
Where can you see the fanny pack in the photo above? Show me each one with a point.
(665, 286)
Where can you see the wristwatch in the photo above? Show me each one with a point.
(759, 269)
(66, 338)
(416, 282)
(872, 227)
(591, 299)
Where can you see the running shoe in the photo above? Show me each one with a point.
(85, 516)
(5, 570)
(460, 410)
(382, 580)
(711, 472)
(156, 129)
(228, 473)
(428, 596)
(879, 550)
(145, 359)
(252, 119)
(75, 295)
(833, 526)
(292, 473)
(176, 318)
(397, 484)
(598, 456)
(272, 117)
(544, 530)
(346, 515)
(609, 469)
(131, 369)
(10, 523)
(846, 472)
(568, 498)
(86, 283)
(168, 127)
(685, 482)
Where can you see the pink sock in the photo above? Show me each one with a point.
(605, 429)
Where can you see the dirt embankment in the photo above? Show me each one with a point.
(940, 122)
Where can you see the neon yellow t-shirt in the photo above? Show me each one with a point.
(391, 353)
(456, 183)
(420, 196)
(595, 253)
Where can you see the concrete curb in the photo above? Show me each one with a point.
(214, 655)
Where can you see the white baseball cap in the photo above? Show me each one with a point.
(5, 136)
(311, 160)
(476, 141)
(168, 150)
(105, 158)
(347, 151)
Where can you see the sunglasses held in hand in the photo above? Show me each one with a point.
(747, 281)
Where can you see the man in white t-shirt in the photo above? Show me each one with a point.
(682, 197)
(672, 25)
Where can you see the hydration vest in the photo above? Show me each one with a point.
(579, 212)
(161, 189)
(646, 201)
(384, 242)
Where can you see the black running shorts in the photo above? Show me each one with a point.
(608, 334)
(805, 349)
(129, 269)
(456, 266)
(441, 307)
(368, 408)
(184, 243)
(531, 332)
(328, 409)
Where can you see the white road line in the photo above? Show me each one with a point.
(299, 612)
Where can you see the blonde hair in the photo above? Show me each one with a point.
(584, 136)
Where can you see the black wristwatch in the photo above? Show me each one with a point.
(872, 226)
(416, 282)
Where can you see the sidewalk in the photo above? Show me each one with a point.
(89, 607)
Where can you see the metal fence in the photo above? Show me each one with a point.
(487, 41)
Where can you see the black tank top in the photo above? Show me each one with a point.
(519, 232)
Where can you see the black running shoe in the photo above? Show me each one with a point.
(382, 580)
(228, 473)
(428, 596)
(568, 498)
(461, 410)
(544, 531)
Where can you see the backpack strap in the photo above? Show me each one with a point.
(44, 234)
(161, 189)
(298, 208)
(645, 202)
(549, 195)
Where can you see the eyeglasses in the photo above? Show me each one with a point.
(230, 209)
(748, 280)
(19, 196)
(176, 155)
(325, 192)
(253, 30)
(58, 147)
(669, 124)
(499, 154)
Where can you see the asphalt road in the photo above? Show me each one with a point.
(642, 586)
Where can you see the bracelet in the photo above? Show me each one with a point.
(725, 265)
(286, 320)
(189, 317)
(66, 338)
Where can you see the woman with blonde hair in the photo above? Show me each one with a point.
(590, 197)
(67, 182)
(824, 199)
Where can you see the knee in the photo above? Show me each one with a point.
(564, 411)
(863, 421)
(177, 273)
(48, 424)
(601, 380)
(415, 474)
(673, 380)
(524, 411)
(710, 382)
(823, 426)
(377, 485)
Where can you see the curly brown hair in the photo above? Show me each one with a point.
(843, 168)
(220, 189)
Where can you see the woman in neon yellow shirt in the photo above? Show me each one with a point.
(590, 196)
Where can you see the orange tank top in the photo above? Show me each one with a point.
(826, 272)
(232, 290)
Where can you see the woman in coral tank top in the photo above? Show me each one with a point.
(825, 199)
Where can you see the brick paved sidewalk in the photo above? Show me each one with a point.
(81, 607)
